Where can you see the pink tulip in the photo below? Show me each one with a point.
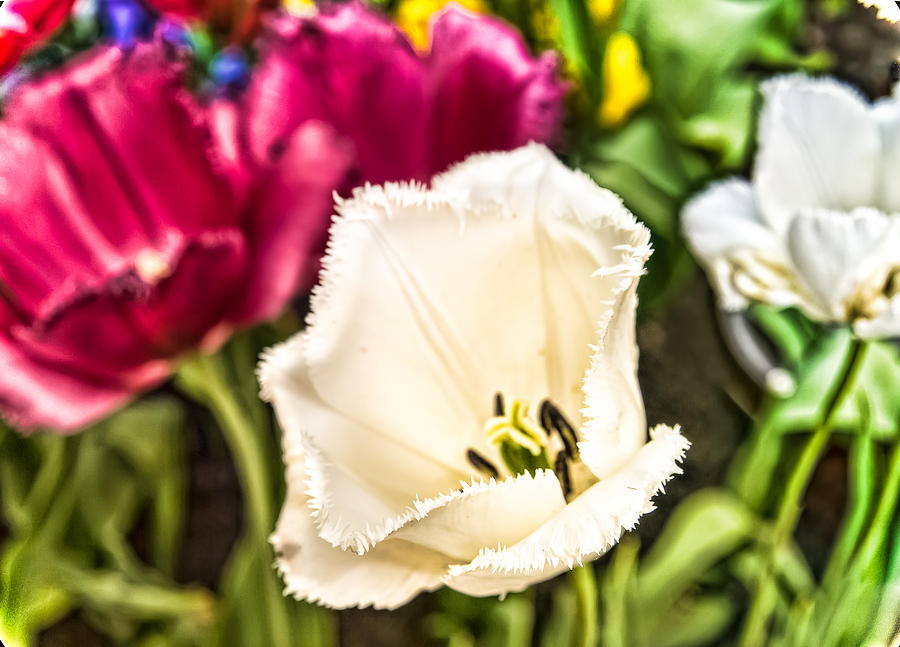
(134, 229)
(408, 115)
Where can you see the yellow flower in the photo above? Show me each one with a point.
(412, 17)
(602, 10)
(626, 85)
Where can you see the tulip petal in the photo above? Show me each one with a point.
(887, 114)
(818, 146)
(386, 577)
(846, 259)
(476, 62)
(288, 227)
(356, 488)
(587, 527)
(531, 183)
(35, 394)
(98, 114)
(724, 220)
(351, 68)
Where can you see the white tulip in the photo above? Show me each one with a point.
(819, 226)
(513, 275)
(887, 9)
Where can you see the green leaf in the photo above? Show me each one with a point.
(877, 384)
(704, 529)
(695, 621)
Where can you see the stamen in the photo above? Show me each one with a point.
(552, 419)
(482, 464)
(499, 409)
(561, 467)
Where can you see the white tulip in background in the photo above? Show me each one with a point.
(513, 275)
(819, 225)
(887, 9)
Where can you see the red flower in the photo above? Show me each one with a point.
(134, 229)
(26, 22)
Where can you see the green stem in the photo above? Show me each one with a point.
(207, 379)
(879, 530)
(584, 581)
(859, 505)
(765, 596)
(241, 435)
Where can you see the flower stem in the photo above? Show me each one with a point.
(208, 382)
(584, 581)
(207, 379)
(765, 596)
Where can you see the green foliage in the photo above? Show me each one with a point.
(700, 120)
(72, 503)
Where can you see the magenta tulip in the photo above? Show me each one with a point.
(134, 229)
(409, 116)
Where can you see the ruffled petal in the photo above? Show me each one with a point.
(586, 528)
(725, 220)
(359, 480)
(349, 67)
(490, 94)
(495, 513)
(887, 9)
(847, 260)
(386, 577)
(819, 146)
(531, 183)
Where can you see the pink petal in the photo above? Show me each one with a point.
(292, 213)
(350, 68)
(489, 92)
(34, 394)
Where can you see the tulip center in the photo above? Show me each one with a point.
(526, 444)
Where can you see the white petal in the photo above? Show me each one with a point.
(615, 426)
(819, 146)
(845, 258)
(887, 9)
(485, 514)
(428, 307)
(388, 576)
(587, 527)
(887, 114)
(721, 221)
(349, 501)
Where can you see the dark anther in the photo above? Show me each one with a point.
(552, 419)
(482, 464)
(895, 71)
(561, 467)
(499, 409)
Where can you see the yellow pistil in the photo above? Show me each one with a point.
(412, 17)
(626, 84)
(517, 428)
